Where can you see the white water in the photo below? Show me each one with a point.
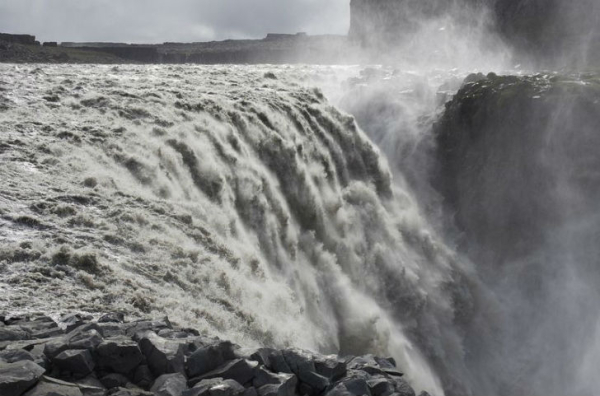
(244, 205)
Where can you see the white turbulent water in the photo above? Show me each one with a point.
(235, 199)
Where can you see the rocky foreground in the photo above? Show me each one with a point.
(83, 356)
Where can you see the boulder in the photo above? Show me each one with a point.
(330, 367)
(130, 392)
(272, 384)
(202, 387)
(351, 387)
(15, 355)
(209, 357)
(113, 317)
(114, 380)
(147, 325)
(80, 338)
(169, 385)
(78, 363)
(52, 387)
(277, 363)
(120, 355)
(13, 333)
(73, 321)
(163, 356)
(143, 377)
(402, 387)
(301, 363)
(16, 378)
(380, 386)
(240, 370)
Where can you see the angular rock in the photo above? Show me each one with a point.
(330, 367)
(163, 356)
(91, 386)
(80, 338)
(147, 325)
(240, 370)
(13, 333)
(52, 387)
(113, 317)
(370, 364)
(169, 385)
(402, 387)
(227, 388)
(202, 388)
(73, 321)
(15, 355)
(261, 355)
(209, 357)
(114, 380)
(120, 355)
(271, 384)
(277, 362)
(351, 387)
(79, 363)
(130, 392)
(143, 377)
(250, 392)
(381, 386)
(16, 378)
(302, 364)
(111, 329)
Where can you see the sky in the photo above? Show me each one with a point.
(156, 21)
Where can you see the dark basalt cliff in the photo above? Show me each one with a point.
(513, 153)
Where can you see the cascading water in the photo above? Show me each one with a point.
(238, 200)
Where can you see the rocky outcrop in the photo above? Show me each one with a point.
(24, 39)
(112, 357)
(509, 149)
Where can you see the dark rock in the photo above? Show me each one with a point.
(80, 338)
(424, 394)
(16, 378)
(111, 329)
(250, 392)
(402, 387)
(271, 384)
(370, 364)
(351, 387)
(381, 386)
(261, 355)
(53, 387)
(202, 388)
(277, 362)
(13, 333)
(114, 317)
(143, 377)
(72, 321)
(240, 370)
(330, 367)
(209, 357)
(163, 356)
(147, 325)
(228, 387)
(79, 363)
(114, 380)
(301, 363)
(129, 392)
(15, 355)
(169, 385)
(91, 386)
(120, 355)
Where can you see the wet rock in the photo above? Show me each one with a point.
(13, 333)
(371, 365)
(227, 388)
(114, 317)
(53, 387)
(240, 370)
(79, 363)
(202, 388)
(129, 392)
(330, 367)
(272, 384)
(209, 357)
(114, 380)
(120, 355)
(91, 386)
(302, 364)
(147, 325)
(351, 387)
(12, 356)
(80, 338)
(16, 378)
(261, 355)
(111, 329)
(402, 387)
(380, 386)
(143, 377)
(163, 356)
(73, 321)
(169, 385)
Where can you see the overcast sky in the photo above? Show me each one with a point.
(151, 21)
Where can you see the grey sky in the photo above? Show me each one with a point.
(170, 20)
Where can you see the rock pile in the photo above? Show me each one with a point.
(108, 356)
